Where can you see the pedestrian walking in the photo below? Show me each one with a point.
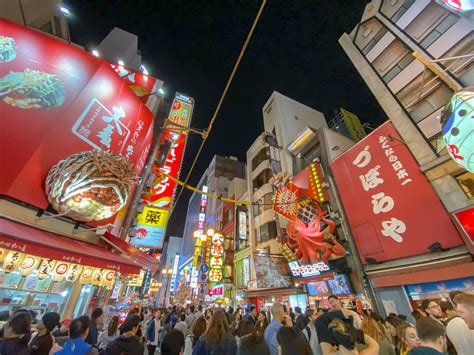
(173, 342)
(253, 344)
(96, 319)
(407, 339)
(17, 333)
(154, 331)
(310, 332)
(110, 334)
(292, 342)
(252, 315)
(216, 340)
(278, 315)
(181, 325)
(371, 328)
(262, 322)
(432, 337)
(457, 330)
(127, 343)
(300, 319)
(78, 333)
(42, 341)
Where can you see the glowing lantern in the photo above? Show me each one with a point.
(458, 128)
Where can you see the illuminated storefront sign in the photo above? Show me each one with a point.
(42, 79)
(141, 84)
(151, 227)
(162, 190)
(194, 277)
(217, 257)
(175, 272)
(246, 271)
(298, 270)
(137, 280)
(242, 225)
(391, 207)
(216, 292)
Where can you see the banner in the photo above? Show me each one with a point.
(391, 207)
(151, 227)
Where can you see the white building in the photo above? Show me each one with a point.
(414, 55)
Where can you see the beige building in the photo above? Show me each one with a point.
(413, 55)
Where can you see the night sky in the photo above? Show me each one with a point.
(192, 46)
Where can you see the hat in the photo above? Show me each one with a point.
(51, 320)
(66, 321)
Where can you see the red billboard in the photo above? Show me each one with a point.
(141, 84)
(391, 207)
(57, 100)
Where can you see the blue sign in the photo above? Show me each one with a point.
(204, 268)
(148, 237)
(441, 286)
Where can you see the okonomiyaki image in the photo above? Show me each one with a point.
(32, 89)
(7, 49)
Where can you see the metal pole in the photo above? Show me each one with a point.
(22, 13)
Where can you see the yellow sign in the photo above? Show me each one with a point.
(153, 217)
(353, 125)
(73, 273)
(87, 274)
(137, 280)
(12, 261)
(60, 270)
(46, 268)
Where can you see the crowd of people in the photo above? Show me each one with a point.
(440, 328)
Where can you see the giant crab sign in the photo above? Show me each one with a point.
(311, 236)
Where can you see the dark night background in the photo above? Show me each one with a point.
(192, 47)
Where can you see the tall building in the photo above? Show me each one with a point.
(168, 263)
(201, 212)
(42, 15)
(414, 55)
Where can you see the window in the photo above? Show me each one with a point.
(265, 203)
(401, 11)
(268, 231)
(259, 158)
(47, 27)
(466, 181)
(374, 40)
(402, 64)
(262, 179)
(442, 27)
(57, 26)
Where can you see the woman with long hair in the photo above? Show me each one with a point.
(262, 322)
(408, 338)
(110, 333)
(392, 323)
(236, 323)
(372, 329)
(216, 340)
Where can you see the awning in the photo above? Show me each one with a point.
(25, 239)
(269, 292)
(146, 261)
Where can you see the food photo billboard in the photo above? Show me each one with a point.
(57, 100)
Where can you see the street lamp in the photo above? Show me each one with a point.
(95, 52)
(64, 10)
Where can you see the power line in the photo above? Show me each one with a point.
(214, 116)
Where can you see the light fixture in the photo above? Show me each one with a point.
(163, 271)
(121, 63)
(210, 232)
(197, 234)
(161, 91)
(95, 53)
(203, 237)
(170, 271)
(144, 71)
(64, 10)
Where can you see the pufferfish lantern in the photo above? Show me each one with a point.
(91, 185)
(458, 128)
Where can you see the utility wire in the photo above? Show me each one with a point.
(214, 116)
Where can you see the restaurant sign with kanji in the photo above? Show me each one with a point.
(391, 207)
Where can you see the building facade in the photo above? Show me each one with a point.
(414, 55)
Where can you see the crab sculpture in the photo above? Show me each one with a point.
(314, 241)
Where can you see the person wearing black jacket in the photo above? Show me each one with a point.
(127, 343)
(96, 318)
(300, 319)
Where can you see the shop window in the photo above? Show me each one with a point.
(268, 231)
(466, 181)
(402, 64)
(374, 40)
(262, 179)
(441, 28)
(401, 11)
(261, 156)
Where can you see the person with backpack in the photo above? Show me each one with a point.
(310, 332)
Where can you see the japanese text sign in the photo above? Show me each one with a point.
(58, 100)
(392, 209)
(141, 84)
(151, 227)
